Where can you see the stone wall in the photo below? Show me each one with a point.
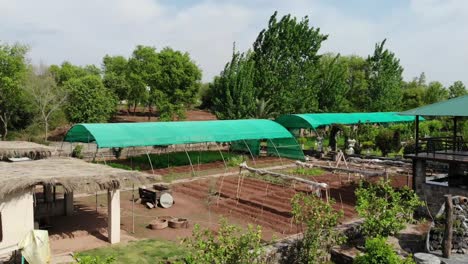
(434, 195)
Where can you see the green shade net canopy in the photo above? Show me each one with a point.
(454, 107)
(313, 121)
(115, 135)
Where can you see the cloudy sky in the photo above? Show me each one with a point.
(428, 36)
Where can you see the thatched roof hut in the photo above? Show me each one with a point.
(72, 174)
(12, 149)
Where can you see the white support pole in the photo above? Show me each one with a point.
(251, 154)
(281, 160)
(149, 159)
(190, 160)
(113, 216)
(133, 208)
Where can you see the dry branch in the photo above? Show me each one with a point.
(362, 172)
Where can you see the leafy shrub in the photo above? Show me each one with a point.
(379, 252)
(385, 210)
(235, 161)
(302, 140)
(308, 172)
(229, 246)
(367, 132)
(383, 141)
(367, 145)
(320, 234)
(409, 148)
(76, 152)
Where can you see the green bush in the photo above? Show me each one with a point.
(320, 233)
(234, 161)
(377, 251)
(384, 209)
(76, 152)
(230, 245)
(383, 141)
(160, 161)
(409, 148)
(122, 166)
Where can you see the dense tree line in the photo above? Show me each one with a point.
(38, 97)
(285, 70)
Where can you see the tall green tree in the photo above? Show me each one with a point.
(286, 59)
(67, 71)
(457, 89)
(13, 69)
(333, 89)
(233, 91)
(143, 70)
(435, 92)
(115, 70)
(384, 75)
(89, 101)
(414, 92)
(179, 80)
(357, 83)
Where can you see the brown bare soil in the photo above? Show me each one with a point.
(263, 203)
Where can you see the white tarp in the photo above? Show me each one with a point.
(35, 247)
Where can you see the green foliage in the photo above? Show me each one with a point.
(332, 81)
(286, 60)
(14, 105)
(320, 233)
(115, 70)
(409, 148)
(384, 141)
(414, 92)
(457, 89)
(89, 101)
(68, 71)
(181, 159)
(230, 245)
(384, 74)
(367, 132)
(179, 80)
(141, 251)
(435, 92)
(385, 210)
(357, 82)
(233, 91)
(94, 260)
(308, 171)
(379, 252)
(77, 151)
(431, 128)
(234, 161)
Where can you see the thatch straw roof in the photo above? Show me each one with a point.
(12, 149)
(72, 174)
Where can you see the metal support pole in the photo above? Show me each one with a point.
(417, 135)
(281, 160)
(251, 154)
(454, 148)
(149, 159)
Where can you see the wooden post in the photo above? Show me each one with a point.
(447, 242)
(416, 143)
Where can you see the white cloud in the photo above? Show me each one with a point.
(427, 35)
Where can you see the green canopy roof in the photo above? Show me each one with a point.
(323, 119)
(454, 107)
(171, 133)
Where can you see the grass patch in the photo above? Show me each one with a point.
(307, 171)
(270, 179)
(143, 251)
(122, 166)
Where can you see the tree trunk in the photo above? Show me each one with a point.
(5, 130)
(134, 108)
(46, 127)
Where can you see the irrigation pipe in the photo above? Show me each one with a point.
(281, 160)
(149, 159)
(251, 154)
(190, 160)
